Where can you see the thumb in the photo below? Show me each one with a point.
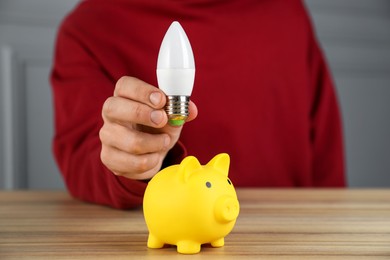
(192, 114)
(193, 111)
(175, 131)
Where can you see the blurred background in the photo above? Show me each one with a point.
(354, 34)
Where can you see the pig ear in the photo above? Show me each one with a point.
(189, 165)
(221, 162)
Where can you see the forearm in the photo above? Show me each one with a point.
(88, 179)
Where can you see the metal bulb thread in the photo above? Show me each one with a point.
(177, 109)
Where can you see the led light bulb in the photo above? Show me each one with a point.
(176, 73)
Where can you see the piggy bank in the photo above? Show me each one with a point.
(190, 204)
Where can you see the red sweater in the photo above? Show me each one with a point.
(262, 88)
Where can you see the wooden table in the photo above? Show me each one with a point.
(273, 224)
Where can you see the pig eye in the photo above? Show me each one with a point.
(230, 183)
(208, 184)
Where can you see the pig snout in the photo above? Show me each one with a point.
(226, 209)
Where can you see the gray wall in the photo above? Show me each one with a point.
(355, 35)
(27, 34)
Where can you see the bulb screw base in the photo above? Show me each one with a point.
(177, 109)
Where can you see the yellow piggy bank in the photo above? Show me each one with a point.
(188, 205)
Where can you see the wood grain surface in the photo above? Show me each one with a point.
(273, 224)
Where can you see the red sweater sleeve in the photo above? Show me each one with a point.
(80, 87)
(326, 129)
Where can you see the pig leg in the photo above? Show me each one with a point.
(218, 243)
(188, 247)
(154, 242)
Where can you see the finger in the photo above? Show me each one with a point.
(138, 90)
(118, 109)
(122, 163)
(133, 141)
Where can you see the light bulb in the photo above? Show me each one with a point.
(176, 73)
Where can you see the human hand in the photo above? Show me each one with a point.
(135, 135)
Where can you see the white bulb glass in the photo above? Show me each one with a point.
(176, 72)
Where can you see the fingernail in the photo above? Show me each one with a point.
(157, 116)
(155, 98)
